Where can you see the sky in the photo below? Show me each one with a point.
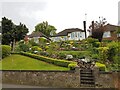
(62, 14)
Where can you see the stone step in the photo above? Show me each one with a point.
(88, 82)
(87, 85)
(86, 75)
(87, 78)
(86, 70)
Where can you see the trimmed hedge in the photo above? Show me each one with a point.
(6, 50)
(101, 67)
(63, 63)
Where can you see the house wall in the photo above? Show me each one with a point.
(113, 36)
(70, 36)
(59, 38)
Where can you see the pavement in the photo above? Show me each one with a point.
(19, 86)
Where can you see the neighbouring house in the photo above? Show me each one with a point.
(35, 36)
(69, 34)
(106, 32)
(110, 32)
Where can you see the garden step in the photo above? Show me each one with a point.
(86, 78)
(87, 85)
(87, 82)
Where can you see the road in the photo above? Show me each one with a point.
(19, 86)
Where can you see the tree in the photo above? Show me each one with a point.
(45, 28)
(7, 27)
(12, 33)
(97, 28)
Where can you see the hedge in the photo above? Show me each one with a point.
(63, 63)
(6, 50)
(101, 67)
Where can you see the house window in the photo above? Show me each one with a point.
(106, 34)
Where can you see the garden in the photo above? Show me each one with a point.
(61, 55)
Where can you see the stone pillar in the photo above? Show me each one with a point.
(77, 69)
(96, 76)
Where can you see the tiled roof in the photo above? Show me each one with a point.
(66, 31)
(110, 27)
(38, 34)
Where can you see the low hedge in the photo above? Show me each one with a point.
(63, 63)
(101, 67)
(6, 51)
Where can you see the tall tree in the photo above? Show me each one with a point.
(7, 27)
(45, 28)
(97, 28)
(11, 32)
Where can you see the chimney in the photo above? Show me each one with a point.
(93, 26)
(84, 24)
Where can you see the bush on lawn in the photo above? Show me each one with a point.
(63, 63)
(101, 67)
(36, 48)
(6, 50)
(72, 66)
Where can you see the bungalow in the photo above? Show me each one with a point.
(110, 32)
(35, 36)
(69, 34)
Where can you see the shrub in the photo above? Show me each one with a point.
(103, 53)
(75, 54)
(22, 47)
(36, 48)
(6, 50)
(63, 63)
(72, 66)
(95, 56)
(101, 67)
(113, 51)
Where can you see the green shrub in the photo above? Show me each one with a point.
(63, 63)
(36, 48)
(113, 51)
(72, 66)
(95, 56)
(6, 50)
(75, 54)
(22, 47)
(101, 67)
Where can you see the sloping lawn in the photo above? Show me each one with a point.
(19, 62)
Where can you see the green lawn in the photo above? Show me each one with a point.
(19, 62)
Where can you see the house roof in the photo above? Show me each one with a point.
(110, 27)
(66, 31)
(37, 34)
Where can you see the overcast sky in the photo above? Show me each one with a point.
(62, 14)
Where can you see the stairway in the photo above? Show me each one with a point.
(87, 78)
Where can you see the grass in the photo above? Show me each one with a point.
(19, 62)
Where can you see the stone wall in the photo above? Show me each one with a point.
(57, 79)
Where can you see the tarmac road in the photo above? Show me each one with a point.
(19, 86)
